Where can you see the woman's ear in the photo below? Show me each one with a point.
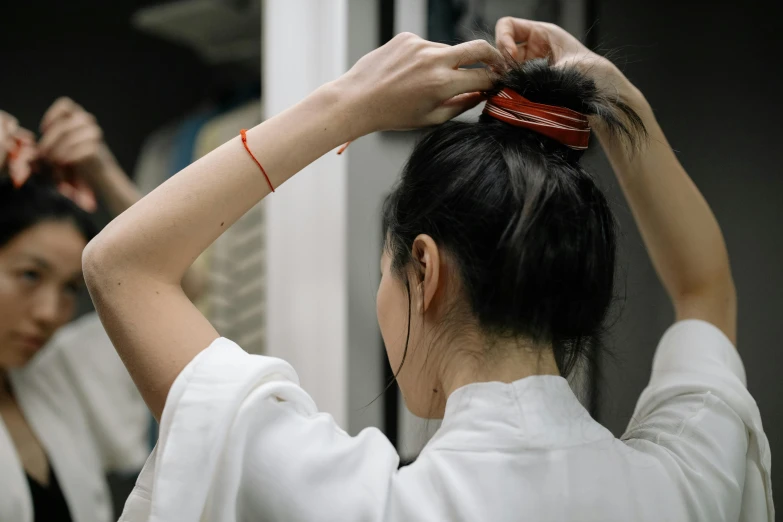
(427, 257)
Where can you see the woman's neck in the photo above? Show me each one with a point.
(508, 361)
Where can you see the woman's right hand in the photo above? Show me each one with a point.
(411, 82)
(527, 40)
(17, 148)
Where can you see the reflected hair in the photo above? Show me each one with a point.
(35, 202)
(530, 232)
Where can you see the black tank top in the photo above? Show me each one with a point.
(48, 502)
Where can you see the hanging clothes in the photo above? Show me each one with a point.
(164, 153)
(240, 440)
(235, 299)
(89, 418)
(153, 165)
(183, 152)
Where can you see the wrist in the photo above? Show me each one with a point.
(95, 166)
(631, 95)
(102, 171)
(616, 85)
(348, 108)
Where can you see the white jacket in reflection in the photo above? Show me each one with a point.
(240, 440)
(87, 415)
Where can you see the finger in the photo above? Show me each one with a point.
(61, 128)
(27, 154)
(19, 167)
(10, 125)
(62, 151)
(62, 107)
(6, 118)
(476, 51)
(78, 191)
(19, 172)
(456, 106)
(25, 136)
(509, 31)
(438, 45)
(70, 154)
(469, 80)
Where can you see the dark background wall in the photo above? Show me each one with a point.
(712, 73)
(87, 50)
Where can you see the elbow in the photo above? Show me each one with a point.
(716, 286)
(715, 303)
(98, 265)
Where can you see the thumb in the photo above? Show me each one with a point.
(455, 106)
(20, 167)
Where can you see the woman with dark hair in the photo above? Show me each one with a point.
(68, 410)
(497, 274)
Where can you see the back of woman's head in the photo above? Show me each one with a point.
(531, 234)
(35, 202)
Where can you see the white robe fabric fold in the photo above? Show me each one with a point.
(88, 416)
(694, 357)
(241, 441)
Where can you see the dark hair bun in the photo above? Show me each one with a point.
(532, 235)
(568, 87)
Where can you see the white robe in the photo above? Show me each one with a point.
(240, 440)
(87, 415)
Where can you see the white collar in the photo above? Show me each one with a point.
(535, 412)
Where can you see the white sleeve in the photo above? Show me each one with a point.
(698, 418)
(240, 440)
(117, 416)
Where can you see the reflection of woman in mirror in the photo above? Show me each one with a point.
(498, 270)
(68, 411)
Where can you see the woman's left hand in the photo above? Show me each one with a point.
(411, 82)
(72, 141)
(17, 148)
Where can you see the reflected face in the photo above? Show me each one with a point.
(40, 277)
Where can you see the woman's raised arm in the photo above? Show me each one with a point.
(134, 267)
(679, 230)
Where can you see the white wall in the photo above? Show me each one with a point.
(323, 227)
(305, 46)
(374, 164)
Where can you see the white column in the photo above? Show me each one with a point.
(410, 16)
(323, 227)
(304, 46)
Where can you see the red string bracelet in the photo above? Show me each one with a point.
(243, 133)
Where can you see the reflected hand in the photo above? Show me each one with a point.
(17, 148)
(410, 82)
(73, 143)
